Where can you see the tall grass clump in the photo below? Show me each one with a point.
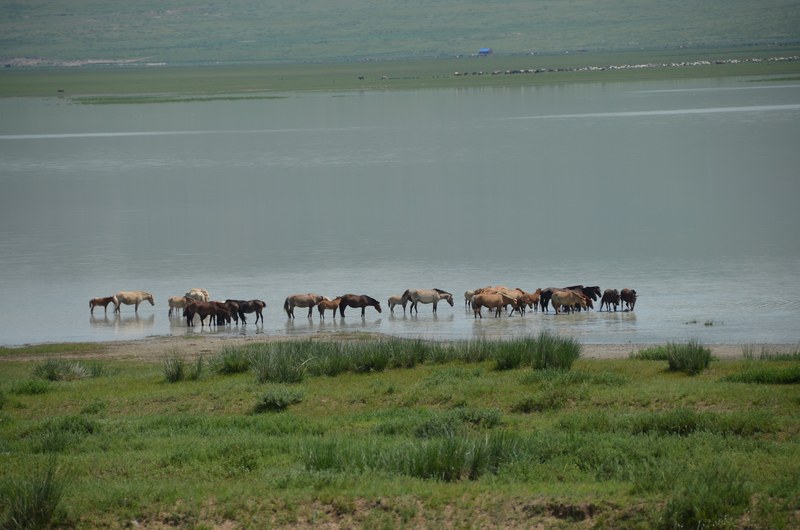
(31, 501)
(767, 375)
(230, 361)
(749, 353)
(509, 355)
(277, 399)
(174, 368)
(708, 497)
(283, 362)
(691, 358)
(550, 351)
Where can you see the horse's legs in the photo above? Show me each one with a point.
(259, 314)
(363, 311)
(310, 308)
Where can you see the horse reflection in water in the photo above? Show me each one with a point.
(123, 324)
(355, 300)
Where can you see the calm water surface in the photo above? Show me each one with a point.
(686, 191)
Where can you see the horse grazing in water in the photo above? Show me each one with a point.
(308, 300)
(133, 298)
(249, 306)
(426, 296)
(397, 300)
(327, 303)
(568, 300)
(94, 302)
(496, 301)
(354, 300)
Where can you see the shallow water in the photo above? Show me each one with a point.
(685, 191)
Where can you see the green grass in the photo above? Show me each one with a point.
(51, 349)
(434, 436)
(690, 357)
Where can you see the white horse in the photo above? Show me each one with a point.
(198, 294)
(426, 296)
(397, 300)
(468, 296)
(133, 298)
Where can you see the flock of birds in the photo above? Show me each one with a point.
(197, 302)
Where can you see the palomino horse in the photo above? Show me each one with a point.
(250, 306)
(354, 300)
(496, 301)
(133, 298)
(308, 300)
(103, 302)
(327, 303)
(397, 300)
(175, 303)
(426, 296)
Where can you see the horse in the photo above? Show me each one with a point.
(426, 296)
(196, 293)
(468, 298)
(308, 300)
(103, 302)
(628, 297)
(213, 310)
(327, 303)
(250, 306)
(610, 297)
(568, 299)
(175, 303)
(496, 301)
(354, 300)
(133, 298)
(397, 300)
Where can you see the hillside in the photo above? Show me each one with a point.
(50, 32)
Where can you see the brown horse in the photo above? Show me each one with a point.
(568, 299)
(610, 297)
(628, 297)
(496, 301)
(203, 310)
(327, 303)
(133, 298)
(308, 300)
(94, 302)
(354, 300)
(250, 306)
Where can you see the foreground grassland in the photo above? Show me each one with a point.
(394, 433)
(191, 83)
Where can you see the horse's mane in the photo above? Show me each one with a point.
(372, 300)
(442, 291)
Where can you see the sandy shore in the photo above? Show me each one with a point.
(154, 349)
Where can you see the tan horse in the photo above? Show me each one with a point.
(94, 302)
(426, 296)
(308, 300)
(327, 303)
(397, 300)
(175, 303)
(496, 301)
(133, 298)
(568, 299)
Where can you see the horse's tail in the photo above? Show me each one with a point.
(286, 305)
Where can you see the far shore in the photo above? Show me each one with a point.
(155, 349)
(90, 82)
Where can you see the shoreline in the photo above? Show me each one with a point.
(154, 349)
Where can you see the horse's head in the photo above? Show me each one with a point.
(150, 299)
(449, 299)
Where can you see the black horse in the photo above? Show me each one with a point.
(250, 306)
(355, 300)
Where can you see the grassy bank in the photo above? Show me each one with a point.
(401, 433)
(134, 84)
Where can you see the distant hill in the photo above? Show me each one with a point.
(290, 31)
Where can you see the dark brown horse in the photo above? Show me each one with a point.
(628, 297)
(354, 300)
(213, 310)
(610, 297)
(250, 306)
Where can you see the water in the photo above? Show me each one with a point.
(685, 191)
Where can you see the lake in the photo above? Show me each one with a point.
(685, 191)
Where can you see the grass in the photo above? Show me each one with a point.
(436, 435)
(690, 357)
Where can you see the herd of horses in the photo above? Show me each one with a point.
(197, 302)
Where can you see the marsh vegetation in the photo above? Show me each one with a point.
(463, 433)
